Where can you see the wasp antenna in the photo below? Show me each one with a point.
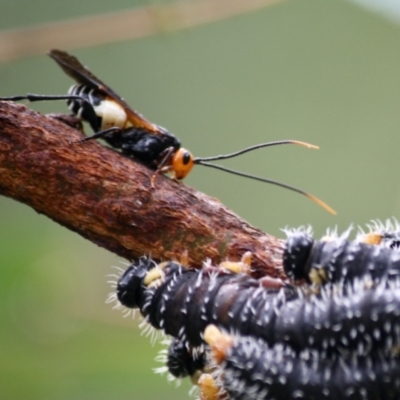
(198, 160)
(266, 180)
(321, 203)
(308, 145)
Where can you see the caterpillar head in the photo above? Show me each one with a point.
(295, 255)
(183, 360)
(131, 281)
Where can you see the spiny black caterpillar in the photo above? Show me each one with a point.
(337, 259)
(181, 360)
(251, 369)
(182, 302)
(341, 318)
(386, 234)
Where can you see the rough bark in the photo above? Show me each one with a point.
(107, 198)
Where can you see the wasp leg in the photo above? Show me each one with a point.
(163, 165)
(100, 134)
(42, 97)
(86, 111)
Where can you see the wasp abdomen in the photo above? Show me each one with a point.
(98, 110)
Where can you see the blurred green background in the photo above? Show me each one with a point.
(323, 72)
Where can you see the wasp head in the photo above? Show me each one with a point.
(182, 163)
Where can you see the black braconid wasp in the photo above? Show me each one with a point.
(123, 128)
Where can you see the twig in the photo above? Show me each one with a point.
(107, 198)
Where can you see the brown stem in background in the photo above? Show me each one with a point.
(107, 198)
(133, 23)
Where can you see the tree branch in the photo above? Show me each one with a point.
(108, 199)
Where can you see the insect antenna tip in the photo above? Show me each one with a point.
(321, 203)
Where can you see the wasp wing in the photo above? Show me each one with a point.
(73, 68)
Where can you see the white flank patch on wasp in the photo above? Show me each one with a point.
(111, 114)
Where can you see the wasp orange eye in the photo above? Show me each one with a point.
(182, 163)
